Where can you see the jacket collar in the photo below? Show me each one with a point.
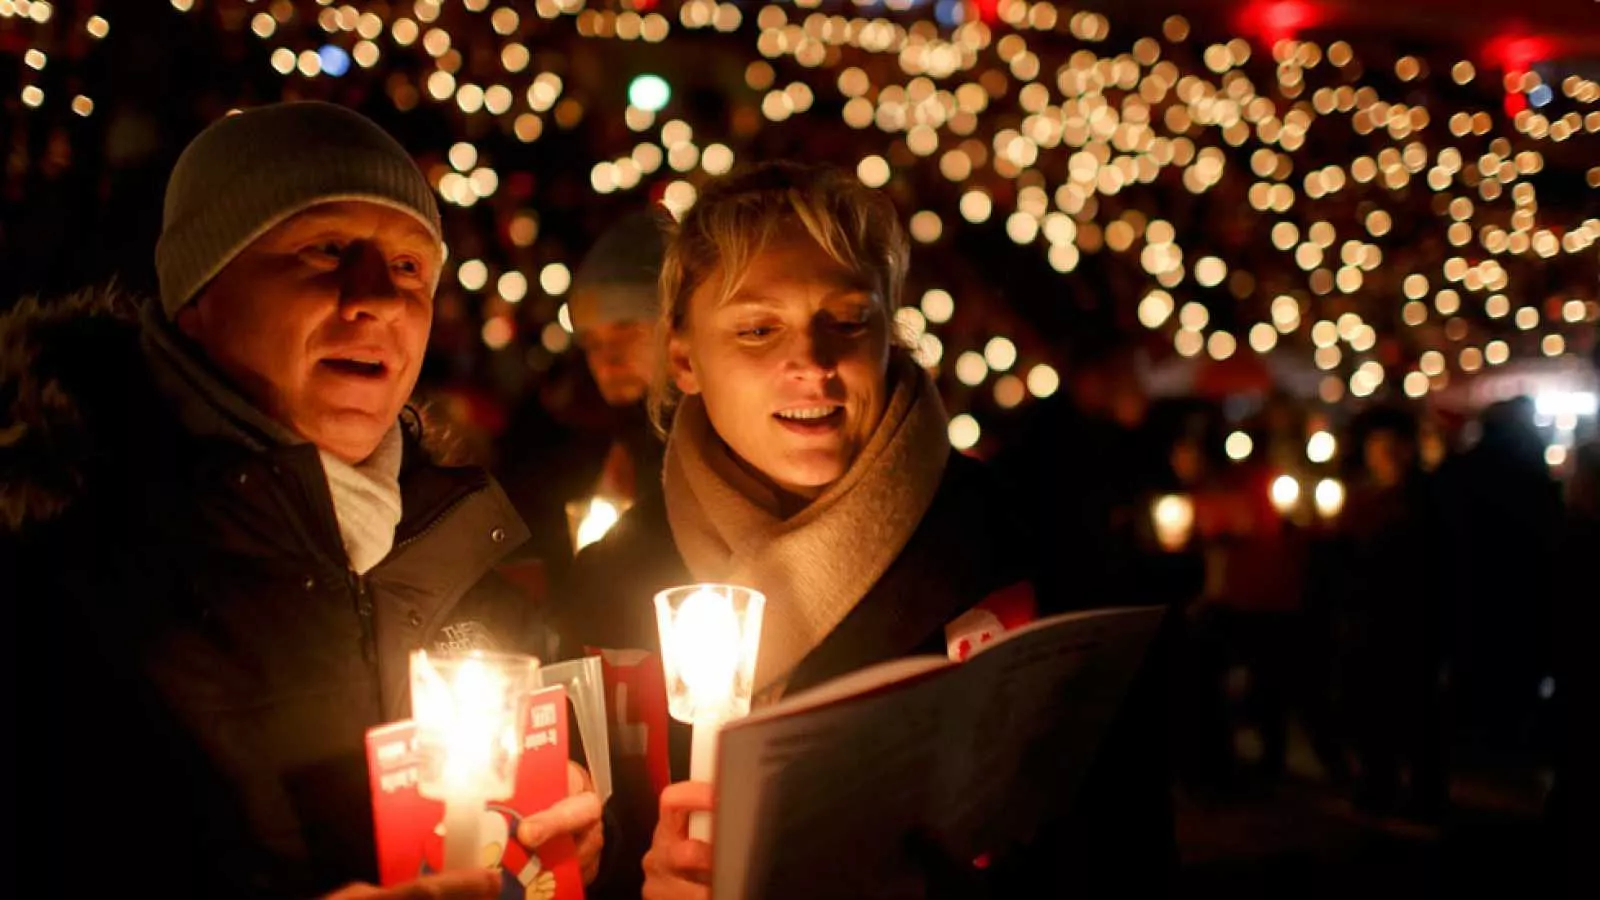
(203, 401)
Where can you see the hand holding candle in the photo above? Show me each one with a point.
(709, 638)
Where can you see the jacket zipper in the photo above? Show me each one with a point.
(363, 602)
(359, 582)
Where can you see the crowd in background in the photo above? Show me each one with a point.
(1398, 644)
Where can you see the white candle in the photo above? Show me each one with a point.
(463, 821)
(466, 710)
(703, 768)
(710, 631)
(709, 639)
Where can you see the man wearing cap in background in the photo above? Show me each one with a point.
(230, 533)
(547, 464)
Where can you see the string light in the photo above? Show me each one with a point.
(964, 432)
(985, 103)
(1000, 354)
(971, 368)
(554, 279)
(1155, 308)
(473, 274)
(1239, 446)
(1043, 381)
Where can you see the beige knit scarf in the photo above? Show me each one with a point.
(366, 500)
(815, 566)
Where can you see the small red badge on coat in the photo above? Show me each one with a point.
(1005, 609)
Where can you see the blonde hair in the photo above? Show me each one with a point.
(738, 215)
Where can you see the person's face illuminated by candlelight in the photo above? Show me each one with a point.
(620, 356)
(614, 307)
(792, 366)
(323, 321)
(779, 297)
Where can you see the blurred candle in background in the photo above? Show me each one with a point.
(1329, 497)
(1173, 517)
(1285, 494)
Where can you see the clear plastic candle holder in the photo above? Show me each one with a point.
(710, 634)
(466, 707)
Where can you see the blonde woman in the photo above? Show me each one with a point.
(807, 457)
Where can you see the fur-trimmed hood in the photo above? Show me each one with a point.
(88, 380)
(74, 387)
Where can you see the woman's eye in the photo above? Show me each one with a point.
(757, 331)
(408, 266)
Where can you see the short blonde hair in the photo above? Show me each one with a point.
(738, 215)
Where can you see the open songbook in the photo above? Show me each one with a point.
(823, 793)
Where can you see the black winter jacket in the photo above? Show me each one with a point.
(194, 664)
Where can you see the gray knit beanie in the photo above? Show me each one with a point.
(617, 280)
(246, 173)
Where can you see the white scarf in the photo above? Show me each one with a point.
(366, 500)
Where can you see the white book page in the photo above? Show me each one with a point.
(831, 782)
(846, 686)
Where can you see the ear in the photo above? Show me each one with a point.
(680, 364)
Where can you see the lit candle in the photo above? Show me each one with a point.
(1329, 497)
(590, 520)
(709, 638)
(465, 709)
(1173, 516)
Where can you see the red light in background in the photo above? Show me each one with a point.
(1276, 20)
(1517, 52)
(988, 10)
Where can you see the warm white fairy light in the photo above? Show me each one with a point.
(1117, 117)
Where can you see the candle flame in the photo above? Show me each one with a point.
(477, 693)
(707, 629)
(466, 723)
(602, 515)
